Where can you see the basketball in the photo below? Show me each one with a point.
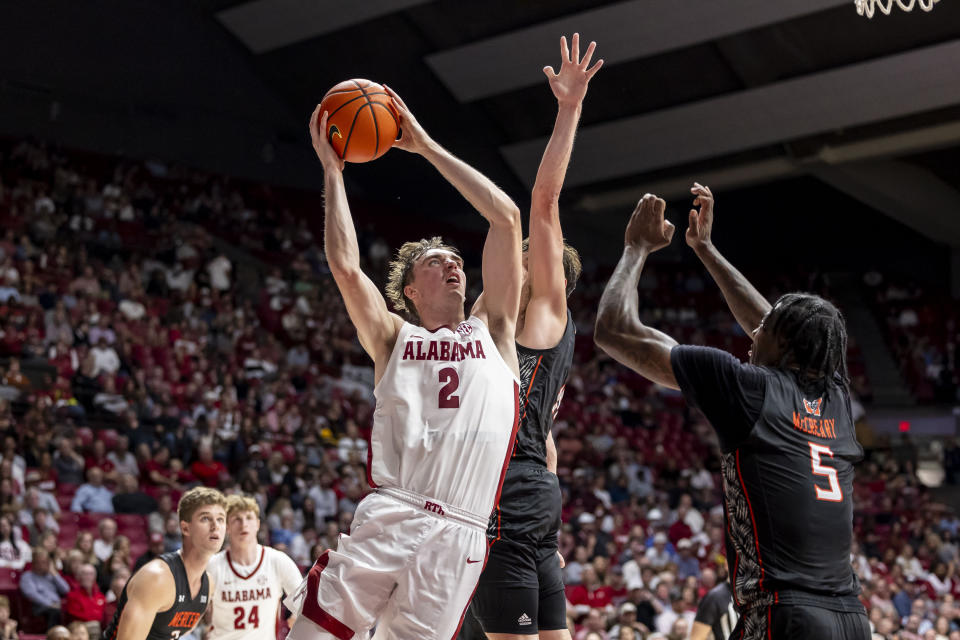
(362, 124)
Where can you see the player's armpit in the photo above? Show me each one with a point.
(150, 590)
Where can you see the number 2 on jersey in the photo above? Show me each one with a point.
(834, 494)
(447, 398)
(253, 619)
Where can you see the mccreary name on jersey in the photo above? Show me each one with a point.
(442, 350)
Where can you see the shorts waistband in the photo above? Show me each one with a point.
(435, 507)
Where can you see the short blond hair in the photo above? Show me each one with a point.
(241, 504)
(402, 265)
(196, 498)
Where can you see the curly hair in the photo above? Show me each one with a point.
(399, 273)
(813, 334)
(572, 267)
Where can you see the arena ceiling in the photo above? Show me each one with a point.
(746, 95)
(736, 93)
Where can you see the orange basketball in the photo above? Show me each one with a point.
(362, 124)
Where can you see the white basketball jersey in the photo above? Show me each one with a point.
(446, 415)
(246, 603)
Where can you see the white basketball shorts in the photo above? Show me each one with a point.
(409, 566)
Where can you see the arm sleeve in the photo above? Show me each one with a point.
(76, 505)
(62, 585)
(29, 589)
(729, 393)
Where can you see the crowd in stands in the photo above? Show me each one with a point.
(141, 356)
(923, 330)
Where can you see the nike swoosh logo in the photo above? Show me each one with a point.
(469, 561)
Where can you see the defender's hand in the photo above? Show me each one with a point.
(325, 152)
(647, 229)
(563, 562)
(413, 138)
(701, 222)
(569, 86)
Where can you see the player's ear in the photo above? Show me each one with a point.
(411, 292)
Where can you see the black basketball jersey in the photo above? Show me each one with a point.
(543, 374)
(716, 610)
(787, 478)
(179, 619)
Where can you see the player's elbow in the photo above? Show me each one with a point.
(512, 217)
(346, 276)
(608, 327)
(606, 332)
(542, 198)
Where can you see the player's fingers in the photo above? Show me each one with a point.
(692, 221)
(660, 206)
(592, 70)
(588, 55)
(668, 230)
(396, 98)
(564, 50)
(575, 46)
(550, 73)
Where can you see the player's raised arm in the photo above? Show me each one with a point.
(746, 303)
(619, 330)
(376, 327)
(502, 266)
(149, 591)
(546, 315)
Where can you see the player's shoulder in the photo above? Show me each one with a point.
(218, 561)
(276, 557)
(152, 579)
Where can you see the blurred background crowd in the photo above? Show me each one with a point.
(162, 328)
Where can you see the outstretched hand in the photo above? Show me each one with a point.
(570, 84)
(412, 138)
(647, 229)
(321, 145)
(700, 222)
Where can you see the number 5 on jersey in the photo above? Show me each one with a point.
(834, 494)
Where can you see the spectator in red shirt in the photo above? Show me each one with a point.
(206, 469)
(680, 530)
(590, 593)
(98, 458)
(158, 474)
(85, 602)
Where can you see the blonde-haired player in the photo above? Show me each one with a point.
(166, 597)
(251, 579)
